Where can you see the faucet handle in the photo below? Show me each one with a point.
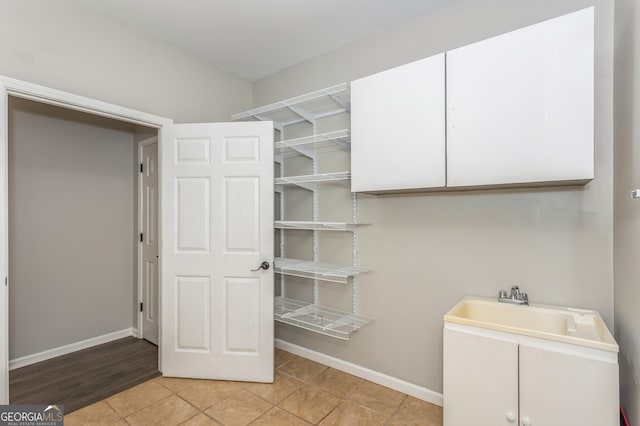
(503, 294)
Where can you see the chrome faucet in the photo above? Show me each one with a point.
(515, 297)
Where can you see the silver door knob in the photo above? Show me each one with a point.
(264, 266)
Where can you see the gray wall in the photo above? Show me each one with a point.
(71, 226)
(61, 45)
(626, 209)
(430, 250)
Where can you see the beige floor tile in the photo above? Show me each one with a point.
(378, 398)
(310, 403)
(120, 423)
(302, 368)
(336, 382)
(416, 412)
(203, 394)
(99, 413)
(352, 414)
(279, 417)
(174, 384)
(282, 387)
(200, 420)
(169, 411)
(239, 409)
(282, 357)
(137, 398)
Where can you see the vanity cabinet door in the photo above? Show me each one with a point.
(480, 380)
(520, 106)
(558, 388)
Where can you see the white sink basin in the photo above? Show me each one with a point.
(577, 326)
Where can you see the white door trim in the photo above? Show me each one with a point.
(22, 89)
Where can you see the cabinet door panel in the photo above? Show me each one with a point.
(562, 389)
(520, 106)
(398, 128)
(480, 380)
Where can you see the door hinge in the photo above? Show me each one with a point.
(141, 168)
(141, 237)
(140, 306)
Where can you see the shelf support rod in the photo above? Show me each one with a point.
(315, 216)
(280, 191)
(354, 281)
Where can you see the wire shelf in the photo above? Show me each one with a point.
(317, 270)
(320, 319)
(339, 140)
(309, 181)
(312, 106)
(319, 226)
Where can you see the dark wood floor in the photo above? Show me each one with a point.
(87, 376)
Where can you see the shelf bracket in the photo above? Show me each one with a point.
(307, 153)
(304, 310)
(304, 114)
(343, 144)
(342, 102)
(279, 126)
(299, 184)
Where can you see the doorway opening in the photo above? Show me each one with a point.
(75, 211)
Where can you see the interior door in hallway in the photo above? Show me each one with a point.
(217, 251)
(148, 205)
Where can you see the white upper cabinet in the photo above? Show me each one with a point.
(398, 128)
(520, 106)
(518, 112)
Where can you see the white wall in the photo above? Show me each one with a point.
(626, 209)
(71, 226)
(430, 250)
(61, 45)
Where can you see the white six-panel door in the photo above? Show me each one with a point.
(148, 157)
(217, 228)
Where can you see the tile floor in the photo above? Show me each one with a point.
(304, 392)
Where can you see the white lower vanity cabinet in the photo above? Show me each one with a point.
(493, 378)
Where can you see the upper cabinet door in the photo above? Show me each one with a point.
(398, 128)
(520, 106)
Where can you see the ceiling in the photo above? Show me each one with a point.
(255, 38)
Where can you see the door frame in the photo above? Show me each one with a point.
(140, 329)
(38, 93)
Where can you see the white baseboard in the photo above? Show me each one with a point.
(363, 372)
(72, 347)
(134, 332)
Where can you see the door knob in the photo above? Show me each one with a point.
(526, 421)
(511, 417)
(263, 266)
